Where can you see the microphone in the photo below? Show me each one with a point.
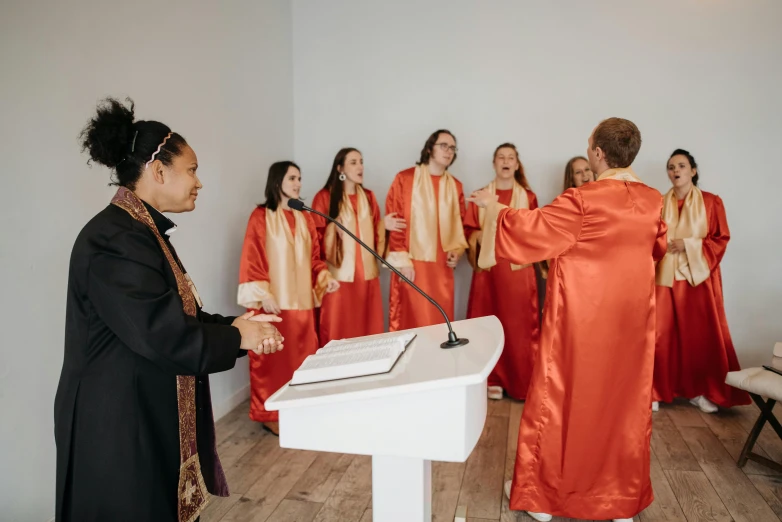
(453, 341)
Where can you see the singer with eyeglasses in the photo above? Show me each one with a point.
(431, 201)
(357, 309)
(281, 273)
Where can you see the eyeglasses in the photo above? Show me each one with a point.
(445, 147)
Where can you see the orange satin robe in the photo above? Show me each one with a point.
(694, 350)
(585, 432)
(512, 296)
(406, 307)
(356, 309)
(268, 373)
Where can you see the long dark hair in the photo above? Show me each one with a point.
(336, 187)
(519, 175)
(569, 183)
(690, 158)
(273, 193)
(115, 140)
(426, 152)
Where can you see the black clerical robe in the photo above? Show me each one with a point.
(126, 339)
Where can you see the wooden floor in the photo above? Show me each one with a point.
(693, 471)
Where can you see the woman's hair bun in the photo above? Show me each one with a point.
(109, 135)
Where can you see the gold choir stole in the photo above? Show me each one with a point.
(341, 255)
(192, 491)
(691, 226)
(518, 199)
(290, 263)
(424, 222)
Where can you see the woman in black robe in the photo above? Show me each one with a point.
(133, 417)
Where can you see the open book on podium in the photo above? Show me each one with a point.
(344, 359)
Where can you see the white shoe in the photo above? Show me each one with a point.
(655, 407)
(623, 520)
(541, 517)
(495, 392)
(705, 405)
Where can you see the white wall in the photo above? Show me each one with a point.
(219, 74)
(701, 75)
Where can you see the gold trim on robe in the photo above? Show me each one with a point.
(341, 255)
(691, 226)
(519, 199)
(290, 261)
(399, 259)
(251, 295)
(621, 174)
(424, 222)
(192, 491)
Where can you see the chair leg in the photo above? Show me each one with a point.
(766, 414)
(753, 437)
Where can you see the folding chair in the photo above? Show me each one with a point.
(760, 383)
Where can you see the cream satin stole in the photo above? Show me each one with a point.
(690, 225)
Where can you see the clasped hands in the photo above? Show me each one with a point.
(258, 333)
(675, 246)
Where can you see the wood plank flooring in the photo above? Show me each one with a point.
(693, 472)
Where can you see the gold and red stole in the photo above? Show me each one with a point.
(622, 174)
(192, 491)
(518, 199)
(691, 226)
(289, 255)
(424, 222)
(341, 255)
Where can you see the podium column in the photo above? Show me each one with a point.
(401, 489)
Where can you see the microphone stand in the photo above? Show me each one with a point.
(453, 341)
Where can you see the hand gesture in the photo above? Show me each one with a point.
(393, 223)
(483, 197)
(270, 305)
(675, 246)
(258, 333)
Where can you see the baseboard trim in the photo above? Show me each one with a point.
(220, 410)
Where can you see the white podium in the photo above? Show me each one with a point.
(431, 406)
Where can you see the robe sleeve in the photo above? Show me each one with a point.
(254, 282)
(379, 225)
(321, 203)
(320, 271)
(398, 242)
(129, 291)
(661, 243)
(533, 205)
(472, 232)
(716, 241)
(524, 236)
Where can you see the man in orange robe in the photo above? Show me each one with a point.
(431, 201)
(584, 437)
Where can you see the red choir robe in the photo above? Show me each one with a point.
(356, 309)
(584, 437)
(281, 258)
(433, 208)
(509, 292)
(694, 350)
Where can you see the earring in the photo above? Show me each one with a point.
(342, 177)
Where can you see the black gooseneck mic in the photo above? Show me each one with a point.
(453, 341)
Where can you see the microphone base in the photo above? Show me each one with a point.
(454, 343)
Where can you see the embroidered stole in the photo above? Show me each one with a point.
(192, 491)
